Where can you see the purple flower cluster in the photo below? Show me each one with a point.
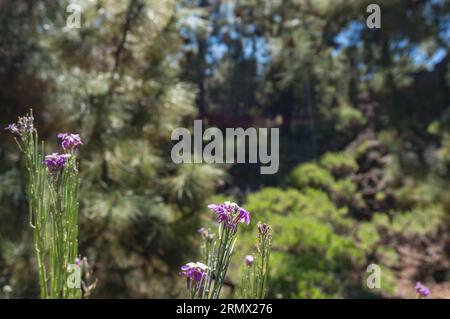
(264, 230)
(56, 161)
(69, 141)
(422, 290)
(194, 272)
(230, 214)
(23, 126)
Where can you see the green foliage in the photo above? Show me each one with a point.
(310, 175)
(318, 244)
(340, 164)
(343, 191)
(310, 253)
(348, 119)
(418, 222)
(368, 236)
(332, 174)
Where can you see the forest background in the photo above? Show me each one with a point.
(364, 118)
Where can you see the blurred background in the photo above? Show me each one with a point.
(364, 118)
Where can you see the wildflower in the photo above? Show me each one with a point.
(248, 260)
(230, 214)
(422, 290)
(244, 215)
(264, 230)
(56, 161)
(206, 234)
(13, 128)
(77, 261)
(194, 272)
(23, 126)
(69, 141)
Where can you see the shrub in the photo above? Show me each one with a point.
(310, 175)
(312, 250)
(339, 164)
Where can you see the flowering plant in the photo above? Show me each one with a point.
(69, 141)
(254, 281)
(52, 188)
(217, 251)
(195, 275)
(229, 214)
(422, 290)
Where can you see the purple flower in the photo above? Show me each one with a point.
(23, 126)
(220, 211)
(264, 230)
(422, 290)
(194, 272)
(13, 129)
(69, 141)
(230, 214)
(244, 215)
(248, 260)
(77, 261)
(56, 161)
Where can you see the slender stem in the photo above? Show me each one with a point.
(53, 217)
